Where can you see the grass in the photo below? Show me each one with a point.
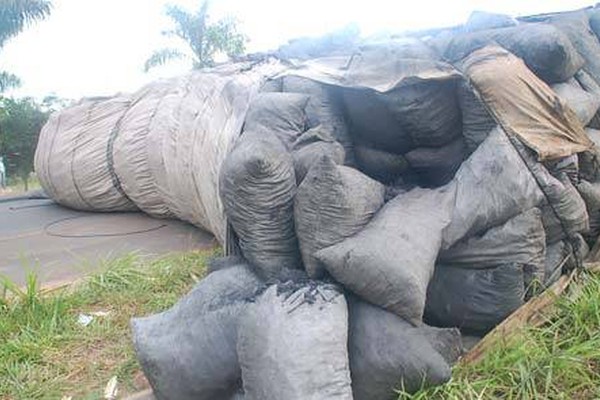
(46, 354)
(16, 186)
(560, 360)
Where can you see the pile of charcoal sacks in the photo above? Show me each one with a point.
(384, 198)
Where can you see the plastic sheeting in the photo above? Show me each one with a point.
(159, 149)
(524, 105)
(71, 157)
(374, 70)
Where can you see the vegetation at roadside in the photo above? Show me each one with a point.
(198, 39)
(15, 186)
(560, 360)
(21, 121)
(16, 15)
(45, 353)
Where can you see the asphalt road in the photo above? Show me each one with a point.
(60, 244)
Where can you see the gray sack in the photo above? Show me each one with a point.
(492, 186)
(258, 186)
(584, 104)
(555, 255)
(568, 214)
(474, 300)
(436, 166)
(281, 114)
(332, 204)
(390, 262)
(575, 25)
(421, 114)
(189, 351)
(388, 354)
(476, 120)
(521, 240)
(379, 164)
(590, 193)
(311, 146)
(324, 108)
(546, 50)
(481, 20)
(293, 345)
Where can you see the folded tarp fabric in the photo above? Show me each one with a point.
(524, 105)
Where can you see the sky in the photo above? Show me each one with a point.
(98, 47)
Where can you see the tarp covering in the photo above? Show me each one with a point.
(524, 105)
(379, 70)
(159, 149)
(71, 162)
(135, 140)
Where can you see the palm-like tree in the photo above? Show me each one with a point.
(202, 39)
(15, 15)
(8, 80)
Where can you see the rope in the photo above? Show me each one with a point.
(75, 148)
(110, 147)
(47, 231)
(520, 148)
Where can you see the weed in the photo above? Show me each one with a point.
(560, 360)
(46, 354)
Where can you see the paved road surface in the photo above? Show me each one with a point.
(60, 244)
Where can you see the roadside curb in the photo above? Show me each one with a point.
(31, 195)
(13, 198)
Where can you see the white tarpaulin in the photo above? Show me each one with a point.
(159, 149)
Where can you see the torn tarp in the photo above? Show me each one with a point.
(524, 105)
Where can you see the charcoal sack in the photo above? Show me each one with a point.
(390, 262)
(293, 344)
(492, 186)
(436, 166)
(546, 50)
(258, 186)
(189, 351)
(389, 354)
(280, 114)
(380, 164)
(474, 300)
(324, 108)
(332, 204)
(312, 146)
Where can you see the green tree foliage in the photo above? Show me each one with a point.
(202, 39)
(15, 15)
(20, 124)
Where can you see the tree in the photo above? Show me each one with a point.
(202, 39)
(20, 124)
(15, 15)
(52, 103)
(8, 80)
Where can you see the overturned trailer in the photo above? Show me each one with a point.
(377, 201)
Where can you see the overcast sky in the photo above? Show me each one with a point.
(98, 47)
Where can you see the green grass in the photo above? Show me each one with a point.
(46, 354)
(560, 360)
